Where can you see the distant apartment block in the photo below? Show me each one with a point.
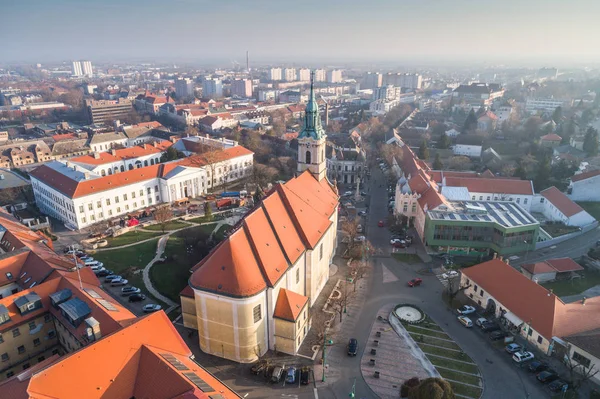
(241, 88)
(107, 110)
(86, 67)
(334, 76)
(290, 74)
(407, 80)
(212, 88)
(275, 74)
(372, 80)
(478, 94)
(320, 75)
(546, 104)
(387, 93)
(184, 87)
(304, 74)
(76, 68)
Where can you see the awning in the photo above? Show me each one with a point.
(513, 318)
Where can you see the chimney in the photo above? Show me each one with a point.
(67, 164)
(583, 301)
(495, 255)
(96, 155)
(155, 144)
(113, 152)
(507, 261)
(86, 175)
(93, 329)
(144, 146)
(501, 258)
(550, 292)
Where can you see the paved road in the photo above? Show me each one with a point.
(501, 378)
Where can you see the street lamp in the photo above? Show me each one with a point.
(353, 392)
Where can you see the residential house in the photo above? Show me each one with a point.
(584, 186)
(557, 207)
(551, 269)
(550, 140)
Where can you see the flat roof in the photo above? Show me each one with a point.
(504, 213)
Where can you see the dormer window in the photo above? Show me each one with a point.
(9, 275)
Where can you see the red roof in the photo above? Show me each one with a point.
(551, 137)
(123, 153)
(289, 305)
(67, 136)
(585, 175)
(561, 201)
(559, 265)
(495, 185)
(438, 175)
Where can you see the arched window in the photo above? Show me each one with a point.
(308, 157)
(123, 168)
(102, 172)
(109, 171)
(146, 162)
(152, 162)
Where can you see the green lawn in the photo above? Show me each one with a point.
(466, 390)
(130, 238)
(593, 208)
(469, 368)
(170, 277)
(416, 329)
(557, 230)
(576, 286)
(407, 258)
(220, 234)
(456, 376)
(173, 225)
(434, 341)
(445, 353)
(203, 219)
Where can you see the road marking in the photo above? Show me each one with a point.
(388, 276)
(316, 394)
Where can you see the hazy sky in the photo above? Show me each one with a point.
(304, 30)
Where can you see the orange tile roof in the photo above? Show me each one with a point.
(123, 154)
(585, 175)
(292, 217)
(551, 137)
(438, 175)
(66, 136)
(564, 265)
(131, 363)
(495, 185)
(538, 268)
(561, 201)
(289, 305)
(12, 265)
(200, 160)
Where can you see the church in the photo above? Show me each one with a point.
(255, 290)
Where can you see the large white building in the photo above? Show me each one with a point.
(289, 74)
(584, 186)
(320, 75)
(334, 76)
(304, 74)
(241, 88)
(387, 93)
(79, 196)
(86, 67)
(76, 68)
(212, 88)
(184, 87)
(546, 104)
(275, 74)
(407, 80)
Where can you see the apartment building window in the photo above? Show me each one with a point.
(108, 201)
(98, 204)
(141, 192)
(297, 275)
(525, 201)
(36, 342)
(26, 366)
(518, 200)
(135, 204)
(16, 332)
(488, 197)
(51, 334)
(55, 351)
(149, 190)
(110, 212)
(118, 209)
(80, 208)
(256, 312)
(101, 215)
(32, 325)
(1, 339)
(157, 199)
(579, 358)
(41, 359)
(133, 194)
(321, 251)
(90, 207)
(126, 207)
(155, 189)
(116, 199)
(21, 349)
(481, 198)
(92, 218)
(540, 339)
(124, 197)
(149, 201)
(143, 202)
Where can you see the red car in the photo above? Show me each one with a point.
(415, 282)
(380, 223)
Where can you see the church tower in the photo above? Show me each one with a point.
(311, 140)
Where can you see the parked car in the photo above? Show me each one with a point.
(347, 194)
(521, 357)
(394, 241)
(498, 335)
(110, 278)
(130, 290)
(258, 367)
(137, 297)
(558, 385)
(381, 223)
(513, 348)
(119, 282)
(399, 244)
(352, 347)
(547, 376)
(536, 366)
(450, 274)
(305, 376)
(415, 282)
(151, 307)
(360, 229)
(97, 267)
(466, 309)
(277, 374)
(291, 375)
(480, 321)
(465, 321)
(490, 326)
(98, 270)
(362, 213)
(104, 273)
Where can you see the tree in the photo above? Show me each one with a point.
(542, 177)
(350, 229)
(470, 124)
(162, 216)
(432, 388)
(358, 269)
(438, 129)
(341, 302)
(408, 385)
(191, 131)
(212, 159)
(578, 373)
(424, 150)
(557, 115)
(437, 162)
(590, 142)
(444, 141)
(262, 175)
(508, 169)
(171, 154)
(453, 288)
(259, 194)
(207, 211)
(460, 162)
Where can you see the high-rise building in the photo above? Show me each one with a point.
(372, 80)
(241, 88)
(86, 67)
(304, 74)
(184, 87)
(407, 80)
(212, 88)
(106, 110)
(320, 75)
(290, 74)
(334, 76)
(76, 68)
(275, 74)
(387, 93)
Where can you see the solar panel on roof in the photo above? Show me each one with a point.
(216, 396)
(107, 305)
(174, 362)
(199, 382)
(486, 218)
(92, 293)
(510, 219)
(61, 296)
(464, 217)
(451, 216)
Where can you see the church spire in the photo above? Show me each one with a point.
(312, 120)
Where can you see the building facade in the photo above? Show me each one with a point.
(241, 88)
(184, 87)
(108, 110)
(275, 74)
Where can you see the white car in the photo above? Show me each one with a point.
(465, 321)
(480, 321)
(450, 274)
(466, 310)
(348, 194)
(151, 308)
(397, 241)
(118, 282)
(521, 357)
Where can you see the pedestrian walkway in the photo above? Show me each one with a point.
(160, 248)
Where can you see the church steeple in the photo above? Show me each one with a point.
(311, 140)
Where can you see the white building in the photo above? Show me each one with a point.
(320, 75)
(471, 151)
(268, 95)
(372, 80)
(304, 74)
(387, 93)
(584, 186)
(275, 74)
(334, 76)
(80, 198)
(86, 67)
(382, 106)
(557, 207)
(184, 88)
(504, 112)
(212, 88)
(241, 88)
(546, 104)
(289, 74)
(76, 68)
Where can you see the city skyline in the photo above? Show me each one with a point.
(349, 31)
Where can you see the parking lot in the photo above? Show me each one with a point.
(116, 292)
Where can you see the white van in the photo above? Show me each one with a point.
(97, 266)
(465, 321)
(90, 262)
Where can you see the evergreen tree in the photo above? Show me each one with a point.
(207, 211)
(437, 163)
(258, 195)
(590, 142)
(557, 115)
(444, 141)
(542, 178)
(424, 151)
(470, 123)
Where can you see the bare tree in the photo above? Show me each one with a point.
(262, 174)
(460, 162)
(578, 373)
(454, 287)
(162, 216)
(191, 130)
(350, 229)
(212, 159)
(358, 270)
(340, 303)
